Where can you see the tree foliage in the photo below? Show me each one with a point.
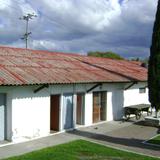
(154, 64)
(143, 61)
(105, 55)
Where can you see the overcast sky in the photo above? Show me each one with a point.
(121, 26)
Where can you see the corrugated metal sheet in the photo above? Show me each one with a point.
(21, 66)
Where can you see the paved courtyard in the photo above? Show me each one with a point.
(123, 135)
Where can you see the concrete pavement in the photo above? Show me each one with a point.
(124, 135)
(25, 147)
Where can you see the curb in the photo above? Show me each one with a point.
(129, 151)
(151, 144)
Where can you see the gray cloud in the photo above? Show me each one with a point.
(123, 26)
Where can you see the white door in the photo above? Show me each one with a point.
(2, 117)
(67, 111)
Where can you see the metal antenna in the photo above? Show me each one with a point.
(27, 18)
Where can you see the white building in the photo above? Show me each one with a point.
(44, 92)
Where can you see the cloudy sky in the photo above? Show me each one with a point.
(121, 26)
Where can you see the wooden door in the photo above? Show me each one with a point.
(80, 108)
(54, 114)
(103, 106)
(96, 107)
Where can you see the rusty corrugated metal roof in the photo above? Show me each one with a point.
(23, 67)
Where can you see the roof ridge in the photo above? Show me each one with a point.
(74, 54)
(37, 51)
(49, 70)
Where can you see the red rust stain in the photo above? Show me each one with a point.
(32, 66)
(15, 75)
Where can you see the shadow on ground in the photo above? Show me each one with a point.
(142, 123)
(129, 142)
(158, 130)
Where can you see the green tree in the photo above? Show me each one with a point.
(154, 64)
(105, 55)
(136, 59)
(143, 61)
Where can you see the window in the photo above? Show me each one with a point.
(142, 90)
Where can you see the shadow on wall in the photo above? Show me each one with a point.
(27, 92)
(117, 104)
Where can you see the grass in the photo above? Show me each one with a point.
(80, 150)
(155, 140)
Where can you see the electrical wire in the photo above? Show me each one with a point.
(46, 17)
(9, 5)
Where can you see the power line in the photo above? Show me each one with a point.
(9, 5)
(26, 35)
(30, 16)
(47, 17)
(52, 20)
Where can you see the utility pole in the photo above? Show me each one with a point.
(27, 18)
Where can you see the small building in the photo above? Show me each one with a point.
(44, 92)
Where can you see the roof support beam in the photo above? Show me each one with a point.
(41, 87)
(132, 84)
(95, 86)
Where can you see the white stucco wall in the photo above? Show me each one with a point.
(109, 107)
(133, 97)
(118, 98)
(28, 113)
(88, 113)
